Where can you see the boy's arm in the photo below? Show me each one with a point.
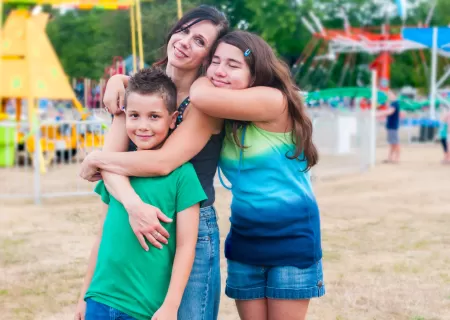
(93, 257)
(141, 215)
(116, 140)
(187, 232)
(385, 113)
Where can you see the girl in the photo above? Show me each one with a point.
(274, 245)
(188, 44)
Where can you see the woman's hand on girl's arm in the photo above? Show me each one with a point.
(252, 104)
(187, 233)
(114, 95)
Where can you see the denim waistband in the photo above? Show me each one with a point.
(207, 212)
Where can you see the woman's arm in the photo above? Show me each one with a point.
(258, 104)
(187, 232)
(182, 145)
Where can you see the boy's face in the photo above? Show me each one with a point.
(148, 121)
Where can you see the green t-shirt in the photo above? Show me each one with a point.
(127, 277)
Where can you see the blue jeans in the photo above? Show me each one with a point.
(100, 311)
(201, 297)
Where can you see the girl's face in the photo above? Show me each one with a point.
(188, 49)
(228, 68)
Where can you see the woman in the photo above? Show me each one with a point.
(274, 245)
(188, 44)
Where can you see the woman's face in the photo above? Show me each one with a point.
(228, 68)
(188, 49)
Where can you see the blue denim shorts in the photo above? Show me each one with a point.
(248, 282)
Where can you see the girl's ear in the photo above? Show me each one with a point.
(252, 82)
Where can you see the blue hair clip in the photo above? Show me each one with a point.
(247, 52)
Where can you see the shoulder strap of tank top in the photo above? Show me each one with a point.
(181, 109)
(241, 156)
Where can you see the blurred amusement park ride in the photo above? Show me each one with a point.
(30, 70)
(326, 45)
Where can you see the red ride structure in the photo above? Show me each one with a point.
(381, 41)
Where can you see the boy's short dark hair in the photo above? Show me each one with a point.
(153, 81)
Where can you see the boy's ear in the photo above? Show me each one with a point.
(173, 120)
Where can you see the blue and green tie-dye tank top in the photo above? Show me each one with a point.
(274, 215)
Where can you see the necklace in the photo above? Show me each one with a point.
(181, 109)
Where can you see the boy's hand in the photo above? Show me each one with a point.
(80, 311)
(88, 171)
(166, 313)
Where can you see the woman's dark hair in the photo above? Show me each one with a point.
(269, 71)
(194, 16)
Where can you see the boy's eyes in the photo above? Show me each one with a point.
(135, 115)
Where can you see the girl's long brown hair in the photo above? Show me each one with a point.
(269, 71)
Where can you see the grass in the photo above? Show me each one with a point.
(381, 257)
(331, 256)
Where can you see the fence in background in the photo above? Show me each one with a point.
(346, 141)
(49, 168)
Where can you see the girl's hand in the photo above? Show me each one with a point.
(80, 311)
(114, 95)
(166, 313)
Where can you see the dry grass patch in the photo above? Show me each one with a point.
(385, 242)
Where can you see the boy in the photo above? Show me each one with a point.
(392, 115)
(129, 282)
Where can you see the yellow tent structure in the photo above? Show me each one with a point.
(30, 69)
(29, 66)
